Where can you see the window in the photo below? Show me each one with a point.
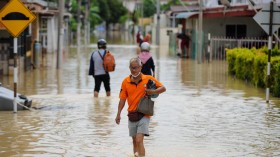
(43, 25)
(236, 31)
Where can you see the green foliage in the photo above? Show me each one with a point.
(104, 10)
(251, 65)
(94, 17)
(275, 72)
(259, 71)
(276, 88)
(117, 10)
(135, 16)
(167, 6)
(123, 19)
(149, 8)
(243, 64)
(231, 56)
(275, 51)
(73, 24)
(110, 11)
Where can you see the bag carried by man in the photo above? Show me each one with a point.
(146, 106)
(109, 63)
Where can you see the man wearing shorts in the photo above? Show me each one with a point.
(97, 70)
(132, 89)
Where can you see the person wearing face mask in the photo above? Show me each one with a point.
(148, 65)
(132, 89)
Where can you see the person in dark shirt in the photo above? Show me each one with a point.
(185, 43)
(139, 38)
(148, 65)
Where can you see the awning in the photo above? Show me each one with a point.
(185, 15)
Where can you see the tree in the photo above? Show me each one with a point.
(110, 11)
(118, 11)
(167, 6)
(104, 9)
(149, 8)
(94, 16)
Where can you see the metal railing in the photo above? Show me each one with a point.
(218, 45)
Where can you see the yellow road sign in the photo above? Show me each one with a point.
(16, 17)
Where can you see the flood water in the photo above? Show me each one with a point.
(203, 113)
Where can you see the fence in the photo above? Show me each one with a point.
(218, 45)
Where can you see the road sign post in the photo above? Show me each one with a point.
(269, 52)
(15, 73)
(268, 19)
(16, 17)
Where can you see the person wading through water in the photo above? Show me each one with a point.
(148, 65)
(132, 89)
(97, 70)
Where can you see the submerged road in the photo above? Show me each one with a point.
(204, 113)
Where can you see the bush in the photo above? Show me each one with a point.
(231, 56)
(251, 65)
(259, 69)
(275, 76)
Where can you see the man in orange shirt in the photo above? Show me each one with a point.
(132, 89)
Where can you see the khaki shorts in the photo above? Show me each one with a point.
(142, 126)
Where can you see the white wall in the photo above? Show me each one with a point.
(217, 26)
(162, 21)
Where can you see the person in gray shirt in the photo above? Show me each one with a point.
(97, 70)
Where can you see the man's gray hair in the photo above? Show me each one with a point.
(135, 59)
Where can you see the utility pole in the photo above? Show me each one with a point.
(87, 23)
(142, 16)
(60, 34)
(158, 23)
(79, 23)
(200, 33)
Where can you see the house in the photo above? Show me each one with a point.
(233, 21)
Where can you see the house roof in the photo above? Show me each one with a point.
(40, 9)
(239, 10)
(213, 12)
(185, 15)
(177, 9)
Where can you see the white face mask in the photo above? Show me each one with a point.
(135, 75)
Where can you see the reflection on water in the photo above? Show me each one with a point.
(115, 37)
(204, 113)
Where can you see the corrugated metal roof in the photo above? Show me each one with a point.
(185, 15)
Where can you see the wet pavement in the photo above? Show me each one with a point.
(203, 113)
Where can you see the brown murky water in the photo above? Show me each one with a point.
(204, 113)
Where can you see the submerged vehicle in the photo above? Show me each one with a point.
(7, 100)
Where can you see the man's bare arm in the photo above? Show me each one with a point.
(120, 107)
